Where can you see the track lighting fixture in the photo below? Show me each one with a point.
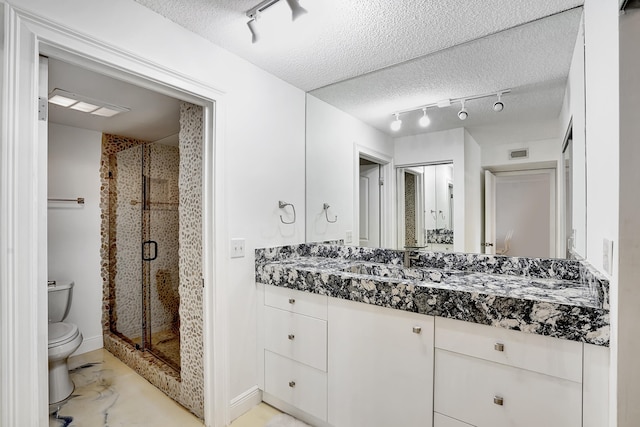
(424, 120)
(396, 124)
(296, 12)
(463, 114)
(498, 105)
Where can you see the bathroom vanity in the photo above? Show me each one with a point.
(350, 337)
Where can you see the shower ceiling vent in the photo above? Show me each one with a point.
(84, 104)
(521, 153)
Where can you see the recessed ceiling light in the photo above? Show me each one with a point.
(85, 104)
(62, 100)
(84, 107)
(108, 111)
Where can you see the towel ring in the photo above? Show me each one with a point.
(282, 205)
(326, 213)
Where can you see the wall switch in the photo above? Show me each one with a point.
(348, 238)
(237, 248)
(607, 256)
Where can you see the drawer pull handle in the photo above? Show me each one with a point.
(292, 300)
(498, 400)
(498, 346)
(291, 336)
(292, 384)
(417, 329)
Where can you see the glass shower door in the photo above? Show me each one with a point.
(160, 235)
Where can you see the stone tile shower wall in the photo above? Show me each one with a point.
(187, 388)
(410, 209)
(191, 308)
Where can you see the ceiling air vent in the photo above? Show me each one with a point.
(521, 153)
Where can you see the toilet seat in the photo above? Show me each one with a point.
(61, 333)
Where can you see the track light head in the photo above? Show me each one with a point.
(255, 35)
(296, 10)
(396, 124)
(463, 114)
(424, 120)
(498, 105)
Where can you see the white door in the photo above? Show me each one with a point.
(520, 213)
(370, 206)
(489, 213)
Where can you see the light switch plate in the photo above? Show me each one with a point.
(237, 248)
(607, 256)
(348, 238)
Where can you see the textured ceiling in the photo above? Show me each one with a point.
(341, 39)
(532, 60)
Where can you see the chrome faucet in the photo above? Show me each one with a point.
(408, 257)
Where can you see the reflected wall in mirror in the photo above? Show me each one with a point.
(541, 62)
(425, 207)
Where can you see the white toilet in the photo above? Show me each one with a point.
(64, 339)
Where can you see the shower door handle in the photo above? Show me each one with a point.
(155, 250)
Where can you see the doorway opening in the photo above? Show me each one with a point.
(369, 204)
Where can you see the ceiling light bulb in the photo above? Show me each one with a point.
(498, 105)
(296, 10)
(255, 36)
(396, 124)
(462, 114)
(424, 120)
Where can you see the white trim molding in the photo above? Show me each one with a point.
(245, 401)
(23, 210)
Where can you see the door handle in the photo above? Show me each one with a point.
(155, 250)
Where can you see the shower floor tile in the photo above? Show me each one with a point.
(109, 393)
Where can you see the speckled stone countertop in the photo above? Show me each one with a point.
(559, 298)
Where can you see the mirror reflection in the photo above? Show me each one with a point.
(519, 153)
(425, 205)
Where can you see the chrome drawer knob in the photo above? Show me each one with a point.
(292, 384)
(417, 329)
(291, 336)
(292, 300)
(498, 400)
(498, 346)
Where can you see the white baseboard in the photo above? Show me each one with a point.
(89, 344)
(244, 402)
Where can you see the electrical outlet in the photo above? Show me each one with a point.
(607, 256)
(348, 238)
(237, 248)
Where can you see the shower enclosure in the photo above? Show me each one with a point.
(144, 249)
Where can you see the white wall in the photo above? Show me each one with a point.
(74, 230)
(540, 151)
(628, 298)
(574, 108)
(264, 158)
(473, 198)
(434, 147)
(331, 136)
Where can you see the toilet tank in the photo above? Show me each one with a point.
(59, 296)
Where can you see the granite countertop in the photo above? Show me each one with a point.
(558, 298)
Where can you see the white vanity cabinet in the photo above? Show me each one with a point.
(294, 349)
(486, 376)
(380, 366)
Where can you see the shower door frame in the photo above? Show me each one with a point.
(27, 35)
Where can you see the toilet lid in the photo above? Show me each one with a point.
(60, 333)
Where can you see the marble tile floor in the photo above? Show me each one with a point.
(110, 394)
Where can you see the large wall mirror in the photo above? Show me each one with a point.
(481, 184)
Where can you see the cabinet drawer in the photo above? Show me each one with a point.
(297, 384)
(440, 420)
(551, 356)
(306, 303)
(484, 393)
(298, 337)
